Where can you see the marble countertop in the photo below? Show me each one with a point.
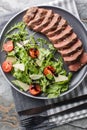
(8, 115)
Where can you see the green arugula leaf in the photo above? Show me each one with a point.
(29, 70)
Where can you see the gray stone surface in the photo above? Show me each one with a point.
(8, 115)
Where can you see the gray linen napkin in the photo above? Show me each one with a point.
(22, 102)
(26, 102)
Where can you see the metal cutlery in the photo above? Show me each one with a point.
(37, 119)
(54, 105)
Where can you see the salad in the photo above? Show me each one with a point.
(35, 64)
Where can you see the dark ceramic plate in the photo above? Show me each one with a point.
(78, 28)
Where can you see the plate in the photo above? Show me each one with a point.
(78, 28)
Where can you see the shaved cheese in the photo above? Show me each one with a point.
(19, 66)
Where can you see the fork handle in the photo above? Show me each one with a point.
(47, 107)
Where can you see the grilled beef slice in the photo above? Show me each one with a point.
(74, 48)
(59, 37)
(60, 27)
(52, 25)
(74, 57)
(31, 12)
(45, 22)
(40, 15)
(67, 42)
(75, 67)
(60, 33)
(78, 65)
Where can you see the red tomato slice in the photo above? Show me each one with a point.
(49, 70)
(7, 66)
(35, 89)
(33, 52)
(8, 46)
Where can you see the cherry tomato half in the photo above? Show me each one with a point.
(8, 46)
(33, 52)
(7, 66)
(35, 89)
(49, 70)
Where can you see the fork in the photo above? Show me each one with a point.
(39, 118)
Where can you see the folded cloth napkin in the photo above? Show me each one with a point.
(23, 102)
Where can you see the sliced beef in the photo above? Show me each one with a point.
(79, 64)
(66, 43)
(60, 33)
(72, 58)
(45, 22)
(75, 67)
(40, 15)
(74, 48)
(31, 12)
(59, 37)
(52, 25)
(60, 27)
(83, 59)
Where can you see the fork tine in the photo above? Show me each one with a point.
(32, 121)
(28, 124)
(25, 122)
(29, 121)
(33, 118)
